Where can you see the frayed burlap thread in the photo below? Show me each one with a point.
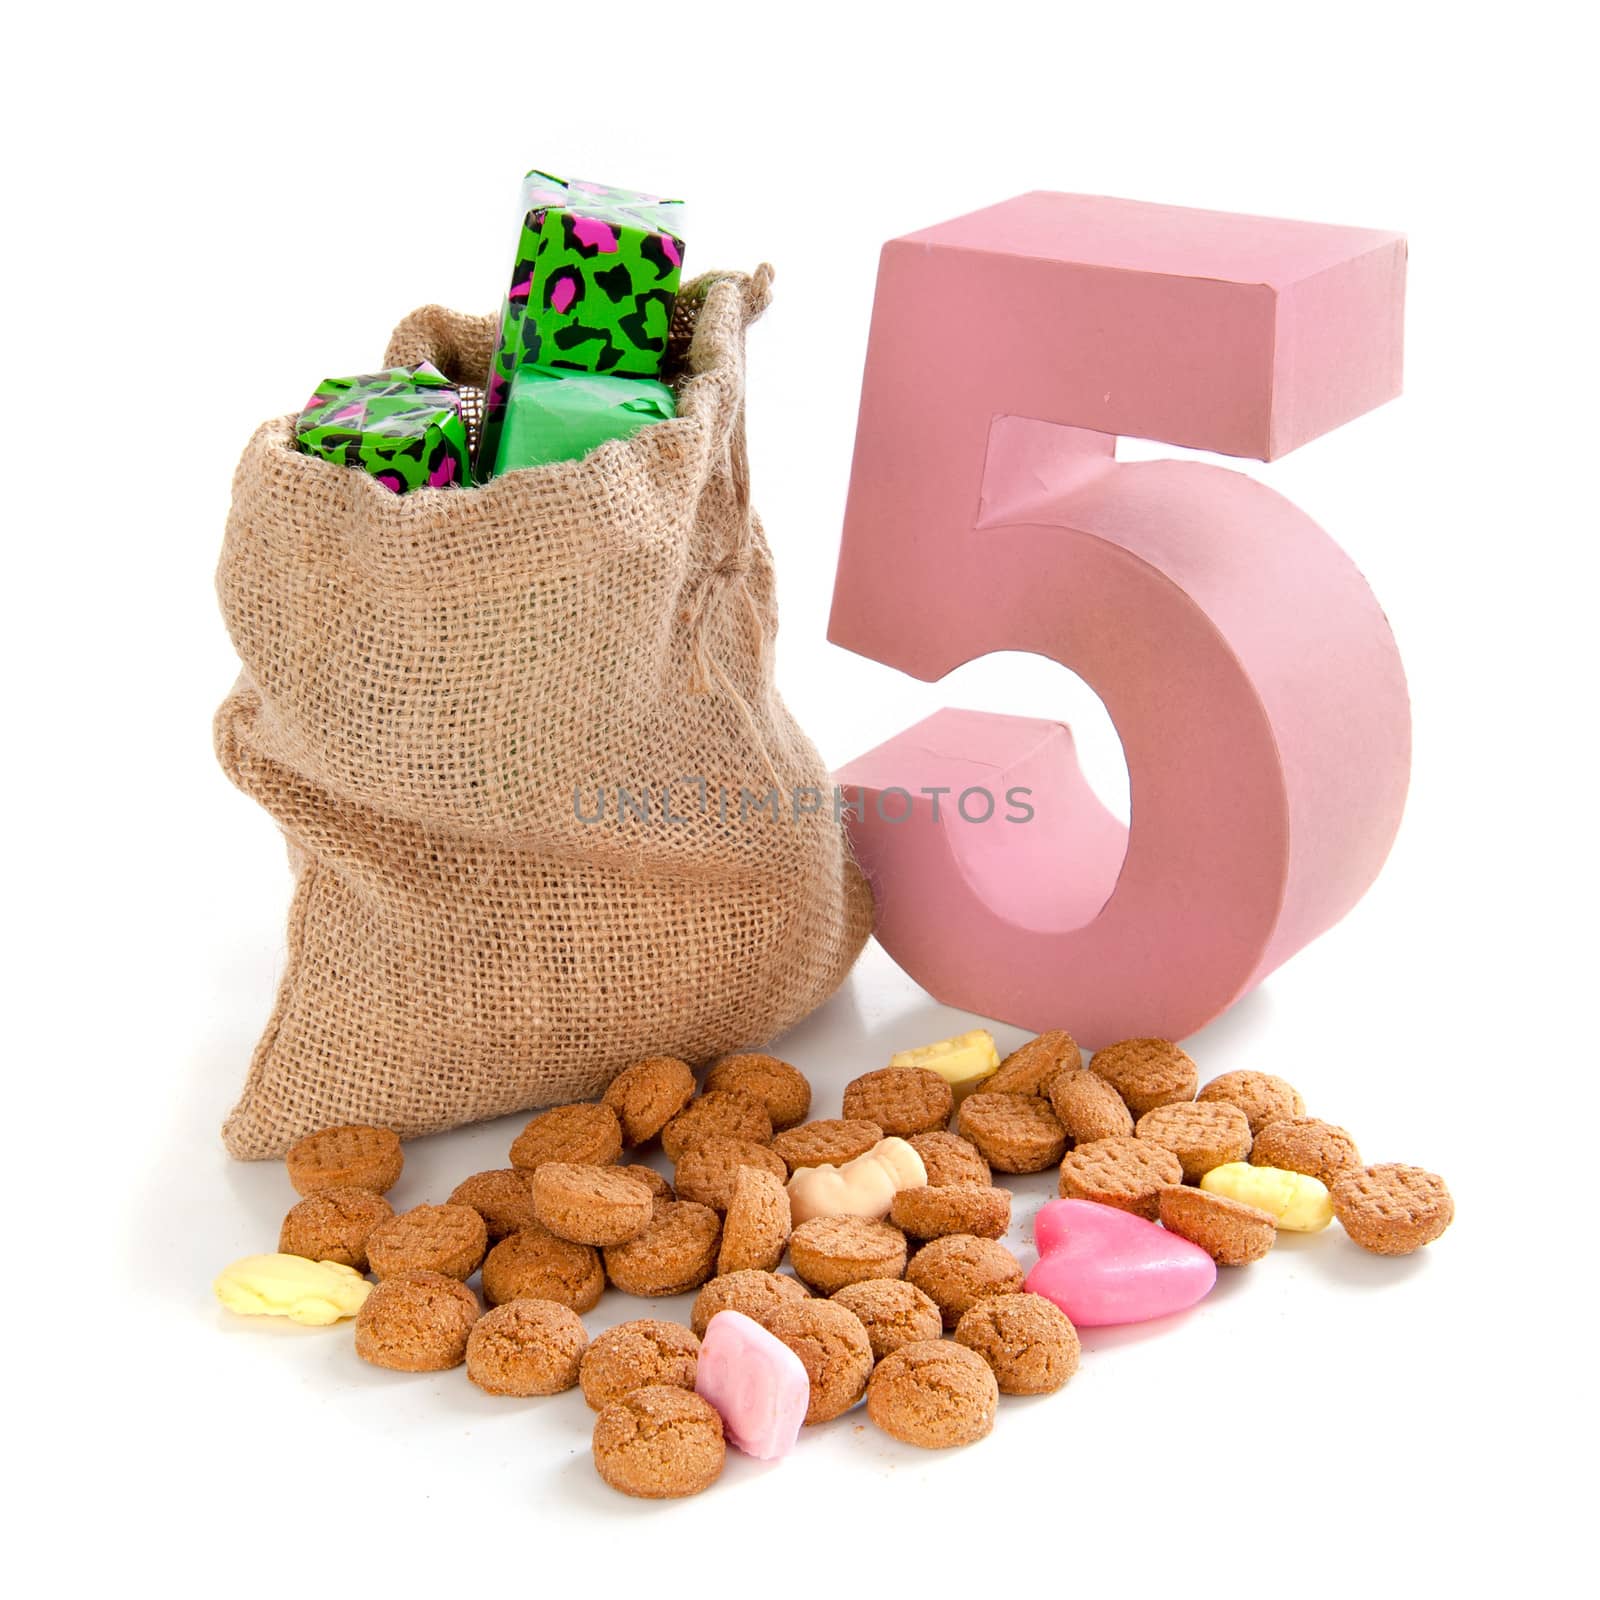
(438, 688)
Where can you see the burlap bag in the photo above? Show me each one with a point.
(427, 680)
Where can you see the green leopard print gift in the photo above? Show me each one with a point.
(596, 273)
(597, 270)
(402, 426)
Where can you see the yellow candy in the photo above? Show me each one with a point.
(963, 1062)
(1301, 1204)
(313, 1292)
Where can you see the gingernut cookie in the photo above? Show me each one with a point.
(1013, 1132)
(782, 1089)
(709, 1169)
(532, 1264)
(1029, 1069)
(334, 1225)
(503, 1198)
(447, 1239)
(1261, 1096)
(933, 1394)
(1088, 1107)
(416, 1322)
(755, 1230)
(590, 1205)
(828, 1143)
(658, 1186)
(948, 1158)
(1202, 1135)
(1030, 1345)
(1230, 1232)
(938, 1209)
(526, 1347)
(757, 1294)
(901, 1100)
(677, 1252)
(1147, 1073)
(1319, 1149)
(636, 1355)
(959, 1270)
(1392, 1209)
(1121, 1172)
(352, 1157)
(659, 1443)
(724, 1113)
(833, 1348)
(587, 1134)
(893, 1312)
(648, 1095)
(829, 1252)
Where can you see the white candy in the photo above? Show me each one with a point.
(864, 1187)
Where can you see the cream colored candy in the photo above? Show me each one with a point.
(963, 1062)
(1300, 1203)
(313, 1292)
(864, 1187)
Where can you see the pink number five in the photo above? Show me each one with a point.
(1246, 664)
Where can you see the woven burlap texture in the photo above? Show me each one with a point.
(426, 681)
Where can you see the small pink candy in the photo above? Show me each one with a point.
(756, 1382)
(1103, 1266)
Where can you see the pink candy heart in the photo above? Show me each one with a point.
(1104, 1267)
(755, 1381)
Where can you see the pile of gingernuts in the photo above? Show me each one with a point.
(868, 1302)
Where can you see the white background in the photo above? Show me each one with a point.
(210, 212)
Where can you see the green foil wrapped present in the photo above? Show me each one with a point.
(557, 415)
(597, 270)
(403, 426)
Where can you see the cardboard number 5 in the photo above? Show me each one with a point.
(1248, 669)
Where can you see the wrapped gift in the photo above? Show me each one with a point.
(553, 414)
(403, 426)
(597, 270)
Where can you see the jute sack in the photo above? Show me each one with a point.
(442, 694)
